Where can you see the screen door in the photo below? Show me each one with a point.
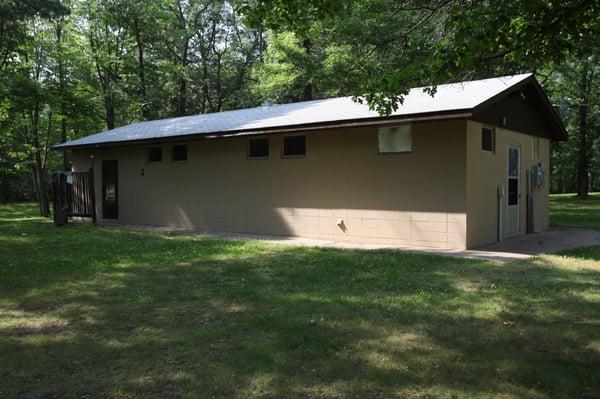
(513, 211)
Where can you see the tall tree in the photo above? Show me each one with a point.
(575, 84)
(14, 15)
(136, 13)
(31, 107)
(107, 35)
(186, 26)
(211, 52)
(583, 165)
(289, 72)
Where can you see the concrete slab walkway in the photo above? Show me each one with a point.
(520, 247)
(554, 240)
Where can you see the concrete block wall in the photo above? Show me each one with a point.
(407, 199)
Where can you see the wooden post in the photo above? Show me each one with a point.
(54, 199)
(64, 203)
(59, 183)
(93, 194)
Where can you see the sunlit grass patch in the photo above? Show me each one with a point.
(103, 312)
(568, 210)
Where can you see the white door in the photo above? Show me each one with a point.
(514, 196)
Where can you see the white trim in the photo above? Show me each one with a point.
(513, 210)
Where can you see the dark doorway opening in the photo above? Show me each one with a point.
(110, 190)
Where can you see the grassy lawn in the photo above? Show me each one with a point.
(97, 312)
(568, 210)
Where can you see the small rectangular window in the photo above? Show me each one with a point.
(394, 139)
(155, 154)
(294, 146)
(535, 148)
(179, 153)
(488, 139)
(258, 148)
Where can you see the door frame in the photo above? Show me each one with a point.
(116, 178)
(509, 232)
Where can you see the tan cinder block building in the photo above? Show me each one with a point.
(463, 168)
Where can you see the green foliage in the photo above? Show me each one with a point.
(74, 67)
(397, 45)
(297, 16)
(288, 67)
(82, 66)
(14, 15)
(525, 35)
(572, 83)
(283, 68)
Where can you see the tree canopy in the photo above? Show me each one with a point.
(69, 68)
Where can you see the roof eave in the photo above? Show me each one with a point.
(376, 121)
(561, 130)
(499, 96)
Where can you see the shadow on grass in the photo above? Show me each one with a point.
(106, 312)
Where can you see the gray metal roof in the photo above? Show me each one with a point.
(449, 97)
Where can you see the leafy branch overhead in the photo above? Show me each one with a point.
(69, 68)
(395, 45)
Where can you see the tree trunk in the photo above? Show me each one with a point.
(218, 87)
(62, 85)
(182, 100)
(39, 183)
(141, 71)
(307, 92)
(562, 179)
(63, 139)
(3, 190)
(106, 74)
(109, 107)
(205, 92)
(583, 161)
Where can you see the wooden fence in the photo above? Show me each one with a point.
(73, 195)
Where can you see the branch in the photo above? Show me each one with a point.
(47, 141)
(543, 30)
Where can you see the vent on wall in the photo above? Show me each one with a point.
(394, 139)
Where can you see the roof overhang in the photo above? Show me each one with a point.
(558, 127)
(553, 127)
(379, 121)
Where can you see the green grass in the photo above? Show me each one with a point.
(568, 210)
(101, 312)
